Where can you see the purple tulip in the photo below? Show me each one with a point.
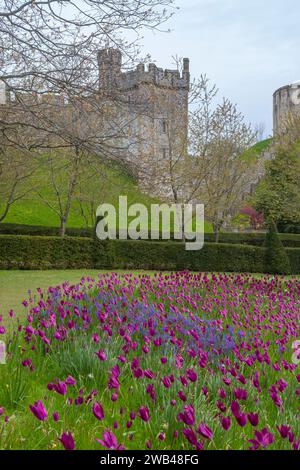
(144, 413)
(240, 394)
(263, 439)
(190, 435)
(205, 431)
(253, 419)
(241, 419)
(284, 430)
(67, 440)
(235, 408)
(188, 416)
(98, 411)
(225, 422)
(39, 410)
(191, 375)
(70, 380)
(110, 441)
(101, 354)
(60, 387)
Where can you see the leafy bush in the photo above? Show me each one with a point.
(289, 227)
(288, 239)
(34, 252)
(277, 260)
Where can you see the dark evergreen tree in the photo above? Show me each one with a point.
(276, 258)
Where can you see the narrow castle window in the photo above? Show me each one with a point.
(164, 126)
(165, 153)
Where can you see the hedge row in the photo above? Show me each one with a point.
(27, 252)
(257, 239)
(41, 230)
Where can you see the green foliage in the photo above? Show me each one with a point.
(258, 148)
(277, 260)
(25, 252)
(13, 386)
(278, 194)
(287, 226)
(254, 238)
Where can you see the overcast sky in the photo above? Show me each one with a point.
(249, 48)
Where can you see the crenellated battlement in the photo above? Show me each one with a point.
(165, 78)
(111, 75)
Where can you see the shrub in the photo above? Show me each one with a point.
(291, 240)
(34, 252)
(276, 258)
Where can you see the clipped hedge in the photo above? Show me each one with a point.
(34, 252)
(41, 230)
(256, 239)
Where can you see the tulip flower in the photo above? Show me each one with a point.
(144, 413)
(190, 435)
(98, 411)
(225, 422)
(70, 380)
(39, 410)
(101, 354)
(241, 419)
(253, 419)
(188, 416)
(110, 441)
(60, 387)
(205, 431)
(284, 430)
(263, 438)
(182, 395)
(67, 440)
(191, 375)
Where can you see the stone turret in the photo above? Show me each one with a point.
(3, 93)
(157, 76)
(285, 100)
(110, 62)
(110, 74)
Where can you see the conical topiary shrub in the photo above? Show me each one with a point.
(276, 258)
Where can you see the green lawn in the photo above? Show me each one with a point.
(14, 285)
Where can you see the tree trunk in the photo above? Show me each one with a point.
(216, 232)
(62, 227)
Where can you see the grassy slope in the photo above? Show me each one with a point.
(258, 148)
(115, 182)
(32, 210)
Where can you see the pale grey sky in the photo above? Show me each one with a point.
(249, 48)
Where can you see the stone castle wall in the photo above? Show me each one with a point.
(155, 105)
(285, 100)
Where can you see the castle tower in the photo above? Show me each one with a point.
(110, 62)
(152, 107)
(285, 100)
(3, 97)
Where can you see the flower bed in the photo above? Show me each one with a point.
(178, 361)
